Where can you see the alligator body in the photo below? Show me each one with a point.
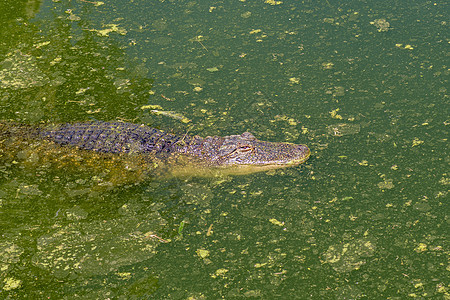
(116, 137)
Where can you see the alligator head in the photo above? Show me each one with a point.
(240, 154)
(245, 149)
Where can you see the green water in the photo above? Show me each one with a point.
(363, 84)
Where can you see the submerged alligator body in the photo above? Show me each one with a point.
(117, 137)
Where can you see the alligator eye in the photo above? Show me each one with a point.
(244, 148)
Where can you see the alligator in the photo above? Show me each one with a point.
(240, 153)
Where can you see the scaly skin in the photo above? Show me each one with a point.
(234, 150)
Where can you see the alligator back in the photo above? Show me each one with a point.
(110, 137)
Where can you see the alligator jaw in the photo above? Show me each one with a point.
(185, 166)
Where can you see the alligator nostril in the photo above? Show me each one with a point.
(303, 148)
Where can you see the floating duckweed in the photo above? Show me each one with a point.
(219, 272)
(381, 24)
(11, 283)
(273, 2)
(111, 28)
(294, 80)
(327, 65)
(202, 253)
(416, 142)
(421, 248)
(276, 222)
(335, 115)
(387, 184)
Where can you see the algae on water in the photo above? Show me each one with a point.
(98, 247)
(20, 71)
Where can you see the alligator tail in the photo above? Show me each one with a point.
(16, 130)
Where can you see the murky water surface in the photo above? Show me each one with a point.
(364, 85)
